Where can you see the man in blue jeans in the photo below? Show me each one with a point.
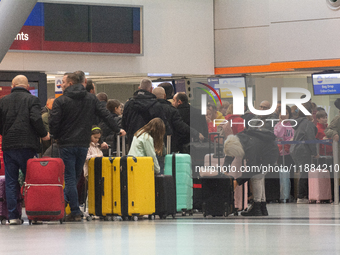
(21, 127)
(71, 123)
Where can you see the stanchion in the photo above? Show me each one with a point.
(336, 172)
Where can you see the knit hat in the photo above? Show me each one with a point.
(337, 103)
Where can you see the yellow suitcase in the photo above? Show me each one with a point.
(103, 180)
(137, 186)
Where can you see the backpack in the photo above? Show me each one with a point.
(261, 133)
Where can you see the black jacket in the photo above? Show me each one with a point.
(139, 110)
(193, 117)
(180, 130)
(257, 153)
(21, 124)
(72, 115)
(108, 135)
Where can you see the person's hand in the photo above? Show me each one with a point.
(122, 132)
(104, 146)
(99, 156)
(336, 138)
(317, 156)
(207, 119)
(201, 137)
(46, 138)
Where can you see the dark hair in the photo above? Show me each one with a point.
(112, 104)
(73, 78)
(89, 85)
(169, 90)
(308, 106)
(95, 130)
(320, 109)
(289, 110)
(321, 114)
(81, 76)
(156, 129)
(213, 106)
(102, 96)
(183, 97)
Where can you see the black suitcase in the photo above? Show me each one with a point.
(272, 186)
(165, 196)
(218, 196)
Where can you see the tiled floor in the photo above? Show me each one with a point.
(290, 229)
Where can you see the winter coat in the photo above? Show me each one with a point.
(284, 133)
(139, 110)
(304, 130)
(180, 130)
(72, 115)
(21, 124)
(320, 135)
(193, 117)
(258, 152)
(143, 146)
(334, 129)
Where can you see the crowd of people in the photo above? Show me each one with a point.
(85, 124)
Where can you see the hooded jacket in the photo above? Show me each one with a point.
(72, 115)
(304, 130)
(21, 124)
(139, 110)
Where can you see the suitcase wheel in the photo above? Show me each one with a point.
(151, 217)
(88, 218)
(173, 216)
(204, 215)
(163, 217)
(61, 221)
(135, 218)
(30, 222)
(184, 213)
(3, 222)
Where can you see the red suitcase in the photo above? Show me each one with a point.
(43, 190)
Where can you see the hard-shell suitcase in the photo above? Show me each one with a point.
(103, 183)
(179, 166)
(43, 189)
(319, 181)
(165, 196)
(137, 187)
(3, 202)
(218, 196)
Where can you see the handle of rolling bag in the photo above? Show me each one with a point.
(118, 145)
(218, 147)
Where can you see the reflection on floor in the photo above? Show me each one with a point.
(290, 229)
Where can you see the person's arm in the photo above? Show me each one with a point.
(36, 120)
(310, 135)
(332, 131)
(55, 118)
(150, 152)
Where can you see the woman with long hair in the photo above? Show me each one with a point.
(148, 141)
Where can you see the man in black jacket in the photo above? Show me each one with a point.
(179, 127)
(21, 127)
(70, 123)
(140, 109)
(190, 115)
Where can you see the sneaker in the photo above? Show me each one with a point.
(15, 222)
(73, 218)
(302, 201)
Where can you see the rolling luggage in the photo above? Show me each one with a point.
(43, 189)
(137, 187)
(3, 203)
(272, 187)
(319, 180)
(179, 166)
(218, 196)
(104, 185)
(165, 197)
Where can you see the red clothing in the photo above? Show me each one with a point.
(320, 135)
(212, 129)
(237, 123)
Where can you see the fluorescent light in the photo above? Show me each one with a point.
(160, 74)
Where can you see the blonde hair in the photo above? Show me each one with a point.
(233, 147)
(230, 109)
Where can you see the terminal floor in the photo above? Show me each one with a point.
(290, 229)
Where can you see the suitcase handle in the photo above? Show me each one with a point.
(133, 157)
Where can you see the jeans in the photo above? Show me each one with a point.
(74, 159)
(15, 160)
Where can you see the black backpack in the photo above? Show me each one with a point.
(261, 133)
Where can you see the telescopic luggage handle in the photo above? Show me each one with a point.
(168, 144)
(118, 145)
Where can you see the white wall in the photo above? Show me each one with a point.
(178, 38)
(249, 32)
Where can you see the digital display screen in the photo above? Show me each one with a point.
(81, 28)
(326, 84)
